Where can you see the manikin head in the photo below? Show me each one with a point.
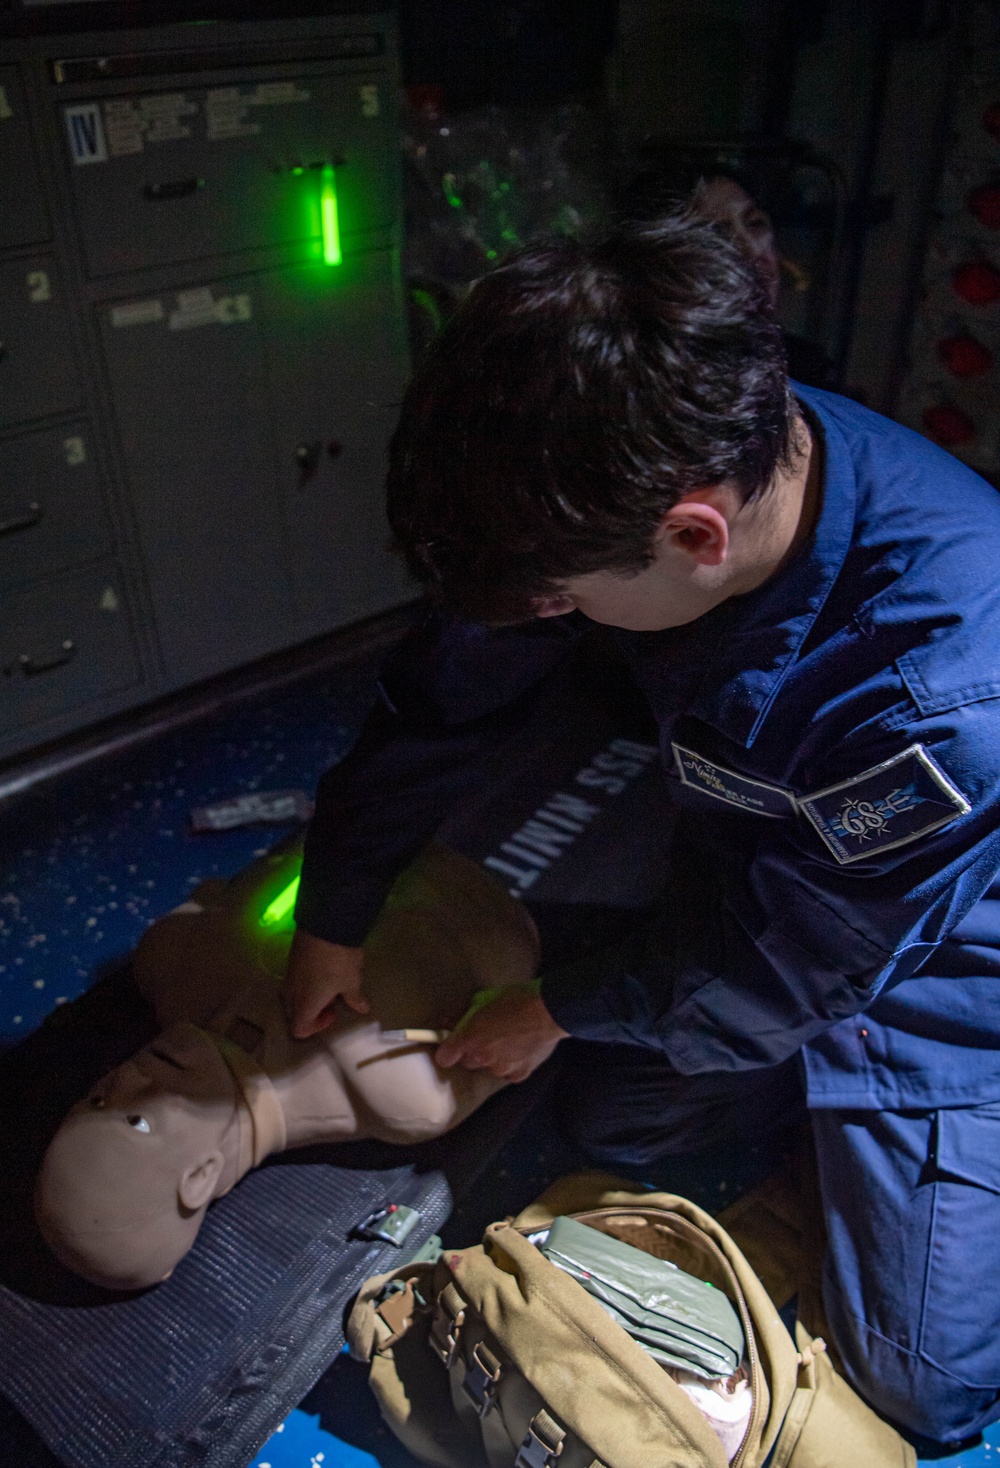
(127, 1178)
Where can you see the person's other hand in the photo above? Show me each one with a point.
(510, 1036)
(319, 973)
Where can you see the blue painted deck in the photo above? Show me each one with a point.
(88, 861)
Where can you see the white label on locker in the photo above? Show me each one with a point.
(86, 133)
(276, 94)
(198, 307)
(369, 100)
(137, 313)
(227, 112)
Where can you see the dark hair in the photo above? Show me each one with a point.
(577, 394)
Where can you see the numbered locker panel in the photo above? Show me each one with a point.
(337, 363)
(64, 643)
(192, 402)
(23, 220)
(52, 514)
(255, 415)
(166, 176)
(38, 375)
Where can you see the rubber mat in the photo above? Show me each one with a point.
(199, 1371)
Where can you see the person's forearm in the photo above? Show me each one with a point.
(449, 696)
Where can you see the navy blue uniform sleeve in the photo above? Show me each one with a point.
(760, 947)
(450, 695)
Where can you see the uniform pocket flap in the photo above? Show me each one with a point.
(968, 1145)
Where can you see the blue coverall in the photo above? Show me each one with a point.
(833, 740)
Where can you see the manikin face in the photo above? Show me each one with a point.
(723, 201)
(126, 1179)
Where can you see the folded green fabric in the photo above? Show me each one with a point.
(680, 1320)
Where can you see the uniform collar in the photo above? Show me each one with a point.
(727, 668)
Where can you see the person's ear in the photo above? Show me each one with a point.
(197, 1186)
(698, 528)
(553, 606)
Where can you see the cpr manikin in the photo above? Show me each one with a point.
(127, 1178)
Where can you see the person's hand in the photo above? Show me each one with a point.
(319, 973)
(510, 1036)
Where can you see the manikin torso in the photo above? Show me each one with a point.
(127, 1178)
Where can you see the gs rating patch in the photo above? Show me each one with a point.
(890, 805)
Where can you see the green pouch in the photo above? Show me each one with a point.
(681, 1320)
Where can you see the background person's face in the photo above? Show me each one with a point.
(724, 202)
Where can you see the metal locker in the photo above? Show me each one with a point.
(337, 365)
(192, 406)
(23, 217)
(182, 174)
(64, 643)
(51, 511)
(38, 375)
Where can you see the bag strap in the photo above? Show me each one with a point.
(543, 1443)
(449, 1317)
(482, 1379)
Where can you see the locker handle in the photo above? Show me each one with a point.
(32, 666)
(177, 188)
(31, 517)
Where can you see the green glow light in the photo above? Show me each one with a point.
(330, 218)
(277, 911)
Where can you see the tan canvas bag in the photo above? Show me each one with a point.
(511, 1362)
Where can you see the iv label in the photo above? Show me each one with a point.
(86, 133)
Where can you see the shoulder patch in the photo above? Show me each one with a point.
(726, 785)
(890, 805)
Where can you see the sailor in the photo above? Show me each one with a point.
(807, 595)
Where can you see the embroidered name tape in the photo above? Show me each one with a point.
(726, 785)
(889, 805)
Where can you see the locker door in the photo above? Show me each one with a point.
(338, 366)
(64, 643)
(37, 371)
(51, 511)
(23, 220)
(194, 416)
(166, 176)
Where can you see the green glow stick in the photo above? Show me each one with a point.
(281, 907)
(330, 218)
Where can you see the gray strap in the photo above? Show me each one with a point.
(449, 1317)
(480, 1381)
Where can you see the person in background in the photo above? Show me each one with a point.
(727, 200)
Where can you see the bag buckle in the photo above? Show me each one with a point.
(445, 1327)
(392, 1224)
(480, 1381)
(543, 1443)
